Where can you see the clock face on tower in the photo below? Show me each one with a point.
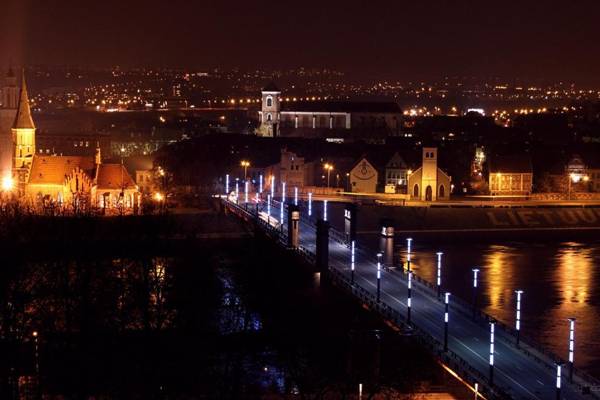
(364, 171)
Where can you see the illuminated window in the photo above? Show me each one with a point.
(269, 101)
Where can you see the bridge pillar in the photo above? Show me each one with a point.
(322, 255)
(350, 222)
(293, 226)
(386, 243)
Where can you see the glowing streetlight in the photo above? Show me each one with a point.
(282, 192)
(272, 186)
(328, 167)
(37, 352)
(408, 249)
(281, 206)
(439, 274)
(446, 307)
(475, 273)
(571, 347)
(7, 183)
(246, 192)
(558, 379)
(379, 255)
(237, 191)
(492, 327)
(269, 209)
(245, 164)
(409, 298)
(518, 315)
(260, 184)
(476, 389)
(295, 195)
(227, 184)
(309, 204)
(352, 263)
(325, 210)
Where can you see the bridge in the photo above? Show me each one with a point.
(486, 355)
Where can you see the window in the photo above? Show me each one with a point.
(269, 118)
(269, 101)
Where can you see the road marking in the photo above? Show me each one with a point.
(537, 380)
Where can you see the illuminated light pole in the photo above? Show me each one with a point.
(272, 186)
(309, 204)
(237, 191)
(245, 164)
(269, 209)
(439, 274)
(37, 353)
(571, 347)
(227, 184)
(492, 327)
(475, 272)
(409, 298)
(518, 315)
(476, 389)
(283, 192)
(408, 249)
(352, 263)
(558, 379)
(328, 167)
(296, 195)
(446, 307)
(281, 215)
(378, 276)
(325, 210)
(260, 184)
(246, 192)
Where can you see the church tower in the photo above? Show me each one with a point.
(429, 174)
(23, 136)
(271, 107)
(8, 110)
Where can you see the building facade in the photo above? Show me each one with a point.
(364, 177)
(510, 176)
(429, 183)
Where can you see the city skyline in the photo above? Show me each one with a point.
(423, 40)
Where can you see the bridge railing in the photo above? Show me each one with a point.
(527, 345)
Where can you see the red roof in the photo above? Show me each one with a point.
(114, 176)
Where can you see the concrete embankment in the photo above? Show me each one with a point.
(480, 222)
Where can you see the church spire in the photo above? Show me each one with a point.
(23, 118)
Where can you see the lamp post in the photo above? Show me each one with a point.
(245, 164)
(475, 273)
(295, 195)
(408, 249)
(446, 307)
(246, 192)
(272, 186)
(492, 327)
(571, 347)
(352, 246)
(37, 353)
(282, 192)
(269, 209)
(227, 184)
(325, 210)
(476, 389)
(409, 299)
(378, 276)
(310, 204)
(518, 315)
(439, 274)
(328, 167)
(237, 191)
(558, 379)
(347, 181)
(260, 184)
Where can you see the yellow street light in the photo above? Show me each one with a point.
(245, 164)
(328, 167)
(159, 196)
(7, 183)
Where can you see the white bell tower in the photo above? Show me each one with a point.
(271, 107)
(429, 174)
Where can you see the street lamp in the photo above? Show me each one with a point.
(492, 327)
(260, 184)
(446, 307)
(37, 353)
(352, 263)
(269, 209)
(296, 195)
(408, 248)
(475, 272)
(246, 192)
(325, 210)
(439, 274)
(273, 186)
(237, 191)
(518, 316)
(245, 164)
(227, 184)
(282, 192)
(558, 379)
(409, 299)
(378, 276)
(7, 183)
(309, 204)
(571, 347)
(328, 167)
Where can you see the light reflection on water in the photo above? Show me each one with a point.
(558, 279)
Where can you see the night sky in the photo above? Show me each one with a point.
(399, 39)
